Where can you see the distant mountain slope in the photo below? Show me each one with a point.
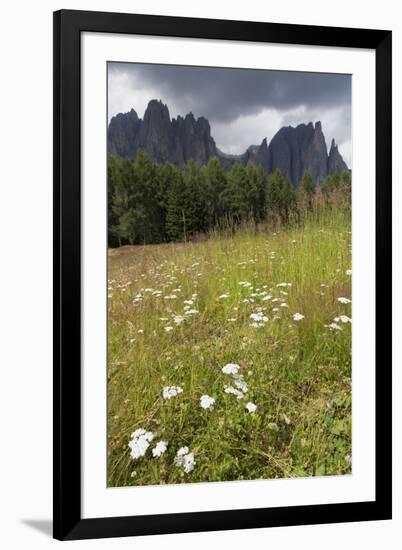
(292, 150)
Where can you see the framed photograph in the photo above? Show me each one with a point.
(222, 274)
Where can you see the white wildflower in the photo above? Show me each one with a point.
(232, 319)
(334, 326)
(231, 368)
(178, 319)
(349, 272)
(241, 384)
(207, 402)
(231, 390)
(185, 459)
(223, 296)
(189, 463)
(251, 407)
(168, 329)
(258, 317)
(139, 443)
(344, 300)
(191, 312)
(345, 319)
(159, 449)
(171, 391)
(298, 317)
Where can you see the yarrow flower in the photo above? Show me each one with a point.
(139, 443)
(171, 391)
(349, 272)
(240, 384)
(168, 329)
(344, 300)
(207, 402)
(178, 319)
(245, 284)
(251, 407)
(231, 390)
(298, 317)
(159, 449)
(191, 311)
(231, 368)
(345, 319)
(223, 296)
(259, 317)
(185, 459)
(334, 326)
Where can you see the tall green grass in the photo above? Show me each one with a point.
(298, 372)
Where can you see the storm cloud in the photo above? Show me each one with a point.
(242, 105)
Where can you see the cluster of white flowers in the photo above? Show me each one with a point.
(178, 319)
(230, 389)
(251, 407)
(231, 368)
(343, 319)
(334, 327)
(344, 300)
(171, 391)
(298, 317)
(159, 449)
(223, 296)
(185, 459)
(207, 402)
(139, 442)
(245, 284)
(191, 312)
(170, 297)
(241, 388)
(258, 318)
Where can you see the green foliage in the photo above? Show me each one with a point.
(152, 203)
(281, 196)
(307, 184)
(298, 372)
(339, 180)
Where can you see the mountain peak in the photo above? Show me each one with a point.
(293, 150)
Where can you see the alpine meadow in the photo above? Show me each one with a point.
(229, 276)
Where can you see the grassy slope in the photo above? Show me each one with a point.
(298, 373)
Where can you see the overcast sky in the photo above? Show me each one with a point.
(242, 105)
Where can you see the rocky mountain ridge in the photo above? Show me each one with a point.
(293, 150)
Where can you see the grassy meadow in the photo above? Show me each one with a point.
(266, 303)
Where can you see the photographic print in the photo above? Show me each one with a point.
(229, 274)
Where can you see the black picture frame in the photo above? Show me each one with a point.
(68, 26)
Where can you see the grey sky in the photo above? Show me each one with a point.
(242, 105)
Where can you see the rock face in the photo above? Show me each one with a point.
(335, 160)
(122, 133)
(177, 140)
(292, 150)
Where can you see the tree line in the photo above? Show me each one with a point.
(152, 203)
